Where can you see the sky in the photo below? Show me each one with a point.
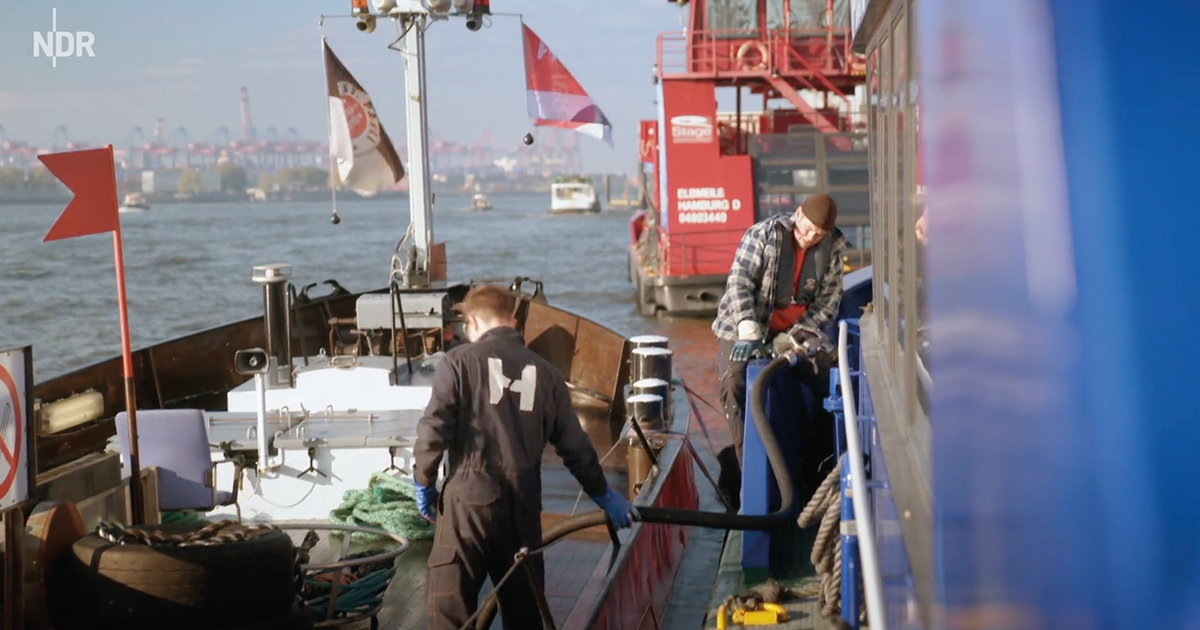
(184, 62)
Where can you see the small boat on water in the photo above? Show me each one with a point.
(573, 195)
(481, 202)
(134, 202)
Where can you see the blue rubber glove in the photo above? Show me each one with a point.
(744, 350)
(427, 501)
(620, 511)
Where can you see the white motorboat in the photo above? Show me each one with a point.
(481, 202)
(133, 202)
(573, 195)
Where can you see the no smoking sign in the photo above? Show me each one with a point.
(14, 429)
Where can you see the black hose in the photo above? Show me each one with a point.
(789, 507)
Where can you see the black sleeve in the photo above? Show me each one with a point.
(435, 431)
(571, 442)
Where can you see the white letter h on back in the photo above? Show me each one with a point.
(526, 387)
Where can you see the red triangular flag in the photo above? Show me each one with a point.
(91, 176)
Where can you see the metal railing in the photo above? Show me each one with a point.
(811, 53)
(863, 517)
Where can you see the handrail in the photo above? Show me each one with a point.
(695, 52)
(872, 580)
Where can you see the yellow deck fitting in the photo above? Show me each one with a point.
(766, 615)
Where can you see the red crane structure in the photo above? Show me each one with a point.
(710, 175)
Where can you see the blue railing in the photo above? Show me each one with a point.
(895, 575)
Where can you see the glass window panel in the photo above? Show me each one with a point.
(841, 13)
(848, 174)
(805, 177)
(775, 14)
(785, 145)
(733, 15)
(874, 125)
(901, 189)
(808, 15)
(853, 204)
(771, 204)
(846, 146)
(790, 176)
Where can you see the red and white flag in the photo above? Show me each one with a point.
(555, 98)
(365, 158)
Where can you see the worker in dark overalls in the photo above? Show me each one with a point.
(494, 405)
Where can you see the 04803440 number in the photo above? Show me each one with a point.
(703, 217)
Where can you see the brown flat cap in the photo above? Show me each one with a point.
(821, 210)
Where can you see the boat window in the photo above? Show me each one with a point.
(852, 204)
(775, 19)
(784, 145)
(733, 18)
(771, 204)
(896, 204)
(808, 15)
(846, 145)
(848, 174)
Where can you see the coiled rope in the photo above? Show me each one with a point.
(217, 533)
(825, 508)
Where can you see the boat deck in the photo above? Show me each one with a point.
(711, 567)
(569, 563)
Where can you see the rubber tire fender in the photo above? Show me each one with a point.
(106, 585)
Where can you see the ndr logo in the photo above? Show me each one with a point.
(55, 43)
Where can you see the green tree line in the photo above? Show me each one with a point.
(38, 180)
(304, 177)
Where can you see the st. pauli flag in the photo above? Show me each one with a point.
(92, 178)
(365, 158)
(555, 98)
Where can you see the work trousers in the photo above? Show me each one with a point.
(733, 389)
(480, 527)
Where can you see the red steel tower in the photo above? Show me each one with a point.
(710, 175)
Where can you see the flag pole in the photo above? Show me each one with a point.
(333, 181)
(90, 175)
(136, 502)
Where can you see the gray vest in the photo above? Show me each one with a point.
(816, 262)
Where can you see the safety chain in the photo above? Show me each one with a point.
(217, 533)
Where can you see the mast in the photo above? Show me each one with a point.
(413, 21)
(412, 18)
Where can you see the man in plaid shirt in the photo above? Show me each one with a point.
(785, 284)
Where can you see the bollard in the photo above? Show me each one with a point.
(660, 388)
(650, 362)
(646, 410)
(642, 341)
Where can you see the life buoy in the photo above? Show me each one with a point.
(763, 53)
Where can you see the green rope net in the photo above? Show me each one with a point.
(388, 503)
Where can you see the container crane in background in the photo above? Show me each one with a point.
(481, 162)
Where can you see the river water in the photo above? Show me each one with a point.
(188, 268)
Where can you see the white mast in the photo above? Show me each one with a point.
(413, 19)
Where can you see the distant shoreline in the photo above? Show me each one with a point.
(20, 198)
